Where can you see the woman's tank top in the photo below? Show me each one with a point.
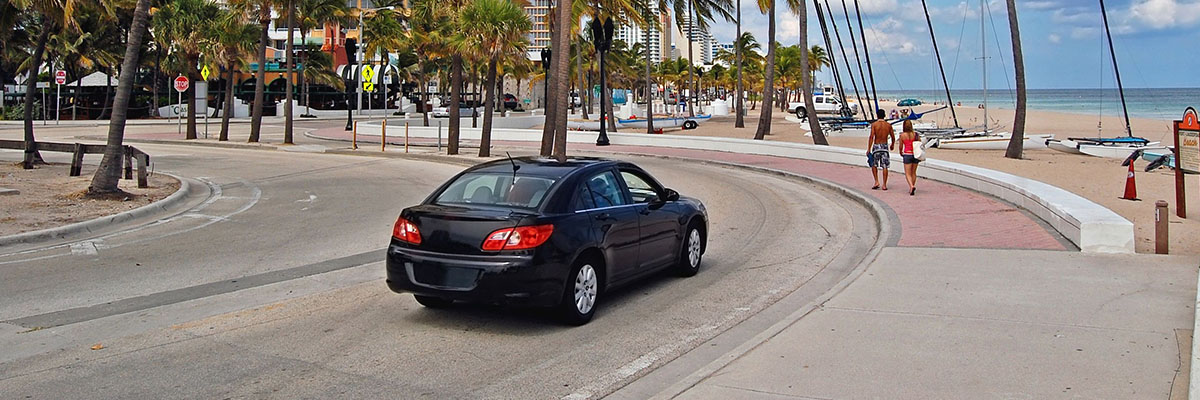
(906, 144)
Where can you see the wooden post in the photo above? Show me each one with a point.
(1161, 240)
(142, 159)
(354, 137)
(1180, 197)
(383, 136)
(127, 154)
(406, 135)
(77, 160)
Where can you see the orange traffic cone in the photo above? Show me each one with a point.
(1130, 186)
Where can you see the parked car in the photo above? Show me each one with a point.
(464, 110)
(909, 103)
(535, 231)
(824, 104)
(511, 102)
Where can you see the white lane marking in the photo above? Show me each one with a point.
(255, 196)
(310, 199)
(87, 248)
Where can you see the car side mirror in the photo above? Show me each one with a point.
(670, 195)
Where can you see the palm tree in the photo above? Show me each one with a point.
(556, 118)
(311, 14)
(818, 59)
(494, 28)
(184, 26)
(700, 14)
(1016, 142)
(263, 9)
(739, 122)
(764, 119)
(428, 32)
(812, 62)
(51, 14)
(109, 173)
(233, 38)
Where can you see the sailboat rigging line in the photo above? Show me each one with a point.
(961, 30)
(867, 53)
(1000, 51)
(861, 75)
(849, 71)
(886, 60)
(837, 79)
(1120, 88)
(945, 83)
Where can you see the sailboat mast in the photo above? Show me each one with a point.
(983, 47)
(837, 78)
(854, 43)
(945, 83)
(1113, 52)
(867, 53)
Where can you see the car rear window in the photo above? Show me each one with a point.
(496, 189)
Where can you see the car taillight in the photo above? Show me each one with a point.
(406, 232)
(521, 237)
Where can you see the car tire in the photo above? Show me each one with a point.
(581, 294)
(801, 112)
(689, 125)
(433, 302)
(691, 251)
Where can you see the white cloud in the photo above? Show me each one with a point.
(1163, 14)
(1039, 5)
(888, 36)
(1054, 38)
(1084, 33)
(869, 7)
(1077, 16)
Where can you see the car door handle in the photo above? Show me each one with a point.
(644, 211)
(603, 217)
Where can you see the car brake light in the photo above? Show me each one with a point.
(521, 237)
(406, 231)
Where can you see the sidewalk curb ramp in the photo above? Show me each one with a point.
(93, 225)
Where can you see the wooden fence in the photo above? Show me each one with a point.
(130, 154)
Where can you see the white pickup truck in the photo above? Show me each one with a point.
(825, 104)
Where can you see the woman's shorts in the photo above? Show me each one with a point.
(909, 159)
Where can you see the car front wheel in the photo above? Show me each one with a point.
(692, 252)
(581, 294)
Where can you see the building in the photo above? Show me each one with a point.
(539, 34)
(701, 42)
(716, 50)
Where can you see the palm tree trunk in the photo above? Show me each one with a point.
(808, 79)
(691, 62)
(562, 74)
(499, 94)
(156, 75)
(456, 81)
(31, 151)
(649, 84)
(229, 97)
(475, 104)
(191, 97)
(106, 107)
(764, 119)
(489, 101)
(288, 58)
(1016, 142)
(424, 96)
(260, 75)
(304, 82)
(109, 173)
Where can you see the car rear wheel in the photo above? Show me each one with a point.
(689, 125)
(581, 294)
(801, 112)
(433, 302)
(692, 252)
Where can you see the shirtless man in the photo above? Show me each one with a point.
(882, 139)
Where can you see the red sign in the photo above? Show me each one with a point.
(181, 84)
(60, 77)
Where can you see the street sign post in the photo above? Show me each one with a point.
(60, 77)
(368, 84)
(181, 85)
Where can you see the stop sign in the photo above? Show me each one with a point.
(60, 77)
(181, 84)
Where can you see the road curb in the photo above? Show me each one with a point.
(93, 225)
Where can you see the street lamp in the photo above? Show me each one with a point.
(545, 79)
(603, 36)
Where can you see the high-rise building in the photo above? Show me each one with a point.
(539, 34)
(656, 40)
(700, 41)
(717, 47)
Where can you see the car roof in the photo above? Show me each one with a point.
(542, 166)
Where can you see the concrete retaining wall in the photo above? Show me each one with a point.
(1092, 227)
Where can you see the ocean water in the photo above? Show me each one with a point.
(1156, 103)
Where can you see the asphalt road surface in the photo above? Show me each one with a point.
(270, 284)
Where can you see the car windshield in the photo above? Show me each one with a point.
(496, 189)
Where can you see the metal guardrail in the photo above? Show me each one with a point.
(129, 153)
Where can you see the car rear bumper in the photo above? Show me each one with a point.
(507, 279)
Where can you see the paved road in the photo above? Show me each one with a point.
(271, 286)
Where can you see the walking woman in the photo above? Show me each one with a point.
(908, 141)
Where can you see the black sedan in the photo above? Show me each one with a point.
(538, 232)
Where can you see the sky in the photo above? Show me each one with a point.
(1157, 41)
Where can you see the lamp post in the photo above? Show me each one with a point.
(350, 60)
(545, 79)
(358, 56)
(602, 32)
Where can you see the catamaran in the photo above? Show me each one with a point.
(1118, 147)
(666, 121)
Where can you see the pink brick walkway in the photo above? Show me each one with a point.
(940, 215)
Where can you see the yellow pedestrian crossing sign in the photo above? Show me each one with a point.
(205, 72)
(368, 86)
(368, 73)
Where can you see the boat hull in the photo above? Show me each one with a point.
(586, 125)
(1066, 146)
(1117, 152)
(662, 121)
(991, 142)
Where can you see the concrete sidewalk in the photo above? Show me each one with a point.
(969, 323)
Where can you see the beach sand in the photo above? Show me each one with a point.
(1097, 179)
